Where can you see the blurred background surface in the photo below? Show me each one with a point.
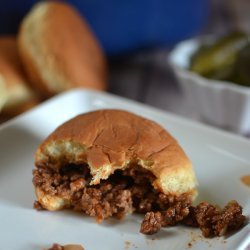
(138, 35)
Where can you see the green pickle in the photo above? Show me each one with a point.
(218, 61)
(242, 67)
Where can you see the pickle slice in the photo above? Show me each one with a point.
(217, 61)
(242, 67)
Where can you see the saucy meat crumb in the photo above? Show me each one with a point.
(212, 220)
(56, 246)
(152, 223)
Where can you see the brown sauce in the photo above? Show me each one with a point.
(66, 247)
(245, 180)
(73, 247)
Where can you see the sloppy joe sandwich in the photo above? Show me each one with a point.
(109, 163)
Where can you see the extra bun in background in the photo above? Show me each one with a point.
(59, 51)
(3, 93)
(19, 96)
(110, 140)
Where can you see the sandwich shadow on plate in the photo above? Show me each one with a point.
(17, 147)
(130, 224)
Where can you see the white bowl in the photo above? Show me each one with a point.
(220, 103)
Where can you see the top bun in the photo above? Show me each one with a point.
(113, 139)
(59, 51)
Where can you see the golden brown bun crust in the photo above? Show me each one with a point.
(59, 51)
(19, 95)
(3, 94)
(10, 64)
(111, 139)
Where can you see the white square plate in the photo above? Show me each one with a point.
(219, 159)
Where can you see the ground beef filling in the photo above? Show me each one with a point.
(131, 191)
(124, 192)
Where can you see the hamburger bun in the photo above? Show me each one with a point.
(59, 51)
(19, 96)
(3, 93)
(110, 140)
